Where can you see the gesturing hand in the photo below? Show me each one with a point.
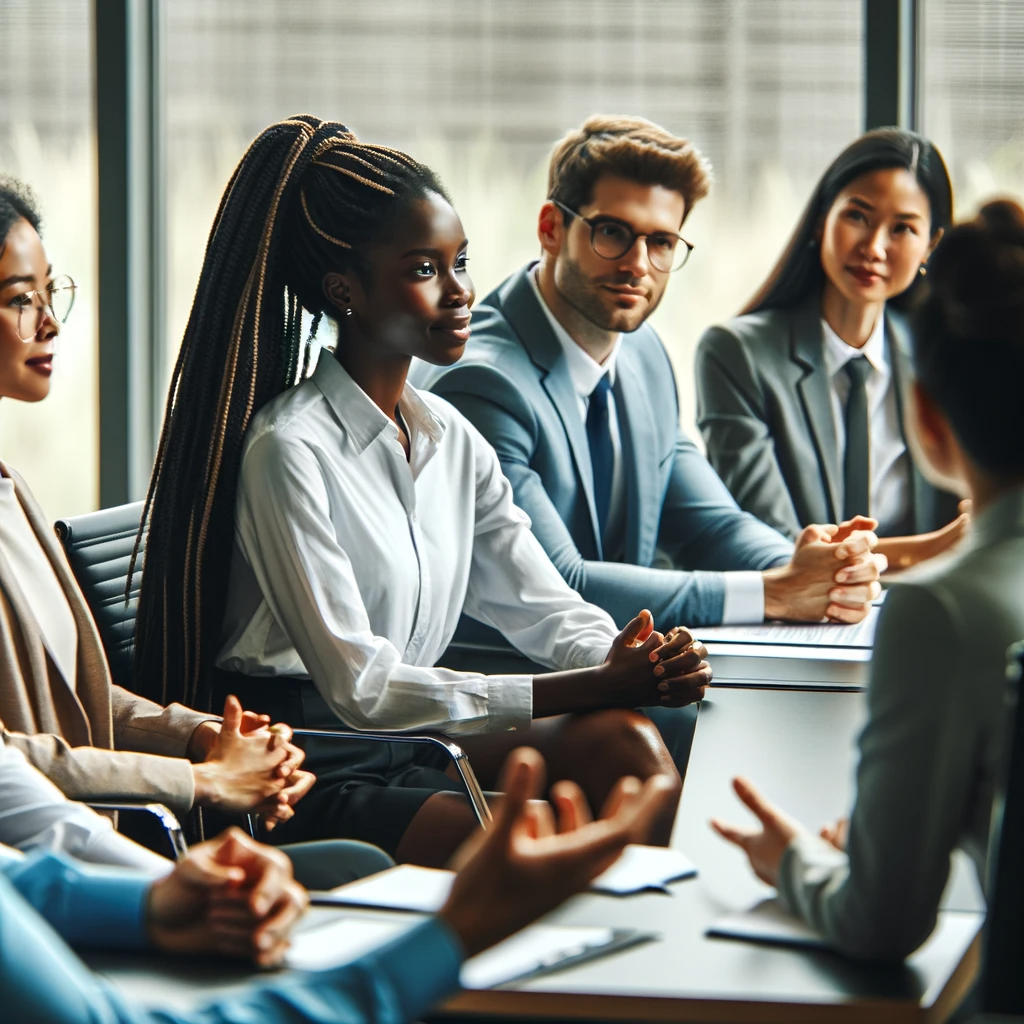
(763, 846)
(231, 896)
(527, 862)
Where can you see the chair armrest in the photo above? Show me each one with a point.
(164, 815)
(458, 756)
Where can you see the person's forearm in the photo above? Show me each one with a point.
(584, 689)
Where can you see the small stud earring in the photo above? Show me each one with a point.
(348, 311)
(923, 270)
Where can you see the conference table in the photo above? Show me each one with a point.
(798, 745)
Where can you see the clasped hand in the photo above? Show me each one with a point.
(231, 896)
(249, 765)
(655, 669)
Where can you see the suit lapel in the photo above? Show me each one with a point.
(807, 349)
(523, 312)
(639, 455)
(88, 704)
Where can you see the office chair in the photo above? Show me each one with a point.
(99, 546)
(1002, 977)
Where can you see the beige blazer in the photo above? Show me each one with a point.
(97, 741)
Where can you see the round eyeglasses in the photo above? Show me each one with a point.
(611, 239)
(55, 300)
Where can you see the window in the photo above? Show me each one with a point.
(480, 91)
(971, 55)
(47, 139)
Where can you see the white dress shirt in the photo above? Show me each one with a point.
(34, 573)
(35, 815)
(744, 591)
(889, 461)
(352, 564)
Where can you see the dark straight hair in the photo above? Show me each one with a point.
(798, 272)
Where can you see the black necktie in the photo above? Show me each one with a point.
(602, 455)
(857, 463)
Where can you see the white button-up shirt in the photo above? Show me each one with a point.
(889, 462)
(744, 591)
(353, 564)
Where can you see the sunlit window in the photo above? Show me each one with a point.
(47, 138)
(480, 91)
(971, 81)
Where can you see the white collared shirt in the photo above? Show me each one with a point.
(889, 461)
(744, 591)
(353, 564)
(35, 815)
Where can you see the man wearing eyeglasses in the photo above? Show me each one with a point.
(576, 393)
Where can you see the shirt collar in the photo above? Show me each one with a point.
(838, 353)
(361, 419)
(584, 372)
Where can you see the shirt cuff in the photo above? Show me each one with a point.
(744, 598)
(509, 703)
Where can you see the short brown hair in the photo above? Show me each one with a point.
(629, 147)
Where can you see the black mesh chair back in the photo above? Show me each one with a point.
(1002, 977)
(99, 548)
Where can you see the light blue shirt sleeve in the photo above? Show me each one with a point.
(42, 980)
(88, 906)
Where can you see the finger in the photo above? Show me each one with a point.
(854, 596)
(680, 664)
(674, 644)
(299, 784)
(538, 820)
(736, 836)
(639, 815)
(752, 798)
(571, 805)
(812, 534)
(857, 543)
(688, 687)
(859, 572)
(637, 630)
(521, 779)
(849, 526)
(232, 715)
(623, 796)
(847, 616)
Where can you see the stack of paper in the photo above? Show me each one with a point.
(538, 949)
(408, 887)
(817, 656)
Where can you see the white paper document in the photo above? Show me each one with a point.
(408, 887)
(767, 922)
(540, 947)
(818, 634)
(644, 867)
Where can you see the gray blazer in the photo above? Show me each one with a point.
(764, 408)
(930, 749)
(514, 385)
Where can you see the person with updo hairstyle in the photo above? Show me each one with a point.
(801, 398)
(314, 535)
(937, 718)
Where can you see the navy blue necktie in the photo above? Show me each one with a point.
(602, 455)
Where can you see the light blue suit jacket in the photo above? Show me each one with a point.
(513, 384)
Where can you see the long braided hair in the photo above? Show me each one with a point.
(306, 199)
